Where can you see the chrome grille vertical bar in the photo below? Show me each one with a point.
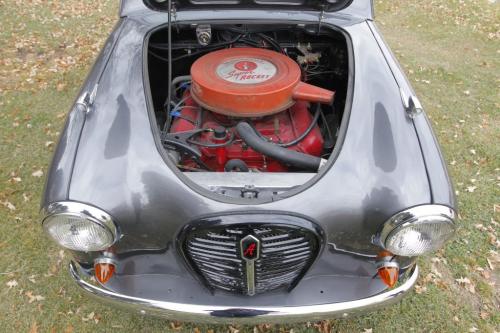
(250, 268)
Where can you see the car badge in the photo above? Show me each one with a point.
(250, 251)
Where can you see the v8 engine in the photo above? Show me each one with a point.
(246, 109)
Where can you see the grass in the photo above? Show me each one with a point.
(451, 52)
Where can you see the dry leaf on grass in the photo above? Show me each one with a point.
(324, 326)
(176, 325)
(34, 328)
(37, 173)
(12, 284)
(8, 204)
(33, 298)
(233, 329)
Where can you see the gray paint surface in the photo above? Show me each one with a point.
(381, 168)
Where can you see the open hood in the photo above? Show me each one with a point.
(299, 5)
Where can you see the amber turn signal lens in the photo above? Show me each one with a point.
(388, 270)
(389, 275)
(104, 271)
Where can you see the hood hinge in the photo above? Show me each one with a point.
(321, 17)
(173, 12)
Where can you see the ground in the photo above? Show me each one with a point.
(451, 52)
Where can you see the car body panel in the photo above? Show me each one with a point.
(61, 168)
(380, 158)
(437, 172)
(382, 168)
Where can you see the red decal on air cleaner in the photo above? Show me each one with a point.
(246, 70)
(245, 65)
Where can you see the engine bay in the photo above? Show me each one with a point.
(249, 99)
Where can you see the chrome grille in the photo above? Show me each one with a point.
(286, 252)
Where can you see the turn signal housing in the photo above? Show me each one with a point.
(387, 269)
(104, 270)
(389, 275)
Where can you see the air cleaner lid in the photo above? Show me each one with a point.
(250, 82)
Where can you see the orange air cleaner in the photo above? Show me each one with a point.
(250, 82)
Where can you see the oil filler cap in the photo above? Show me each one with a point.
(251, 82)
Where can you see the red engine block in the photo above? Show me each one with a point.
(282, 127)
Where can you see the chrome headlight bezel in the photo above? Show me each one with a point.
(84, 212)
(425, 214)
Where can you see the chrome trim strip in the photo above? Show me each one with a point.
(104, 260)
(244, 314)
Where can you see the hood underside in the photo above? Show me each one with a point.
(300, 5)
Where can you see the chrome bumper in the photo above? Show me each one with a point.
(244, 314)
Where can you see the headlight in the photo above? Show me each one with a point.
(418, 230)
(79, 227)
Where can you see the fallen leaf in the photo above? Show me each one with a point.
(324, 326)
(90, 316)
(420, 289)
(234, 329)
(471, 188)
(8, 204)
(12, 284)
(176, 325)
(33, 298)
(34, 328)
(484, 315)
(463, 281)
(37, 173)
(15, 179)
(262, 328)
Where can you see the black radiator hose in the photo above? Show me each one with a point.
(284, 155)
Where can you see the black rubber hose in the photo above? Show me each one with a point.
(287, 156)
(236, 165)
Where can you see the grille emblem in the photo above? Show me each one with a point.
(250, 247)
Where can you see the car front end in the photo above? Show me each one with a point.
(161, 228)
